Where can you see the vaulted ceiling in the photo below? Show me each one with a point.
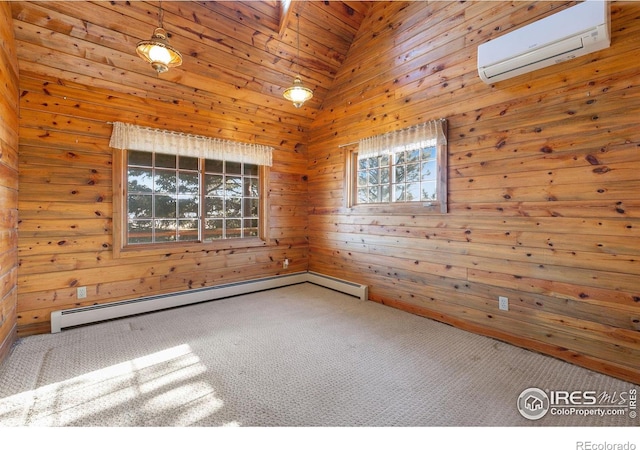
(238, 55)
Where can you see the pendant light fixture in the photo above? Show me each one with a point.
(297, 92)
(157, 51)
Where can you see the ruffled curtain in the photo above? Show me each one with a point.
(132, 137)
(420, 136)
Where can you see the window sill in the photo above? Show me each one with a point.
(186, 247)
(416, 208)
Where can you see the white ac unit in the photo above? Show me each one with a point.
(573, 32)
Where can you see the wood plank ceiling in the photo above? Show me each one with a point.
(239, 56)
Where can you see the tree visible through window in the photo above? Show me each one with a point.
(408, 166)
(174, 198)
(405, 176)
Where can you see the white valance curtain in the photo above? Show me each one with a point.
(126, 136)
(420, 136)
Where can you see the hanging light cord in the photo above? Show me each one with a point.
(298, 57)
(297, 92)
(160, 15)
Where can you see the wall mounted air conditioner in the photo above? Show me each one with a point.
(573, 32)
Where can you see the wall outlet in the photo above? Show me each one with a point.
(82, 292)
(285, 263)
(503, 303)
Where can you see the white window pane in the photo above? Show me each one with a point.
(164, 201)
(165, 206)
(188, 230)
(384, 175)
(412, 156)
(374, 176)
(165, 181)
(233, 207)
(429, 191)
(213, 229)
(428, 153)
(250, 227)
(214, 207)
(413, 172)
(399, 193)
(139, 180)
(140, 158)
(233, 187)
(428, 171)
(412, 193)
(140, 231)
(363, 196)
(233, 167)
(362, 178)
(188, 183)
(140, 206)
(385, 194)
(233, 228)
(188, 207)
(165, 230)
(214, 185)
(167, 161)
(399, 174)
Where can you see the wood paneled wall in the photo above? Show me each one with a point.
(65, 202)
(66, 209)
(8, 180)
(543, 182)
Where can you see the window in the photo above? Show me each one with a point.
(174, 198)
(406, 167)
(193, 191)
(406, 176)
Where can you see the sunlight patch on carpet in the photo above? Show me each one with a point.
(161, 384)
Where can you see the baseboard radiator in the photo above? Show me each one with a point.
(96, 313)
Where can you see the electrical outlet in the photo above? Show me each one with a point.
(285, 263)
(503, 303)
(82, 292)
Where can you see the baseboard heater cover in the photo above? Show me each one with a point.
(96, 313)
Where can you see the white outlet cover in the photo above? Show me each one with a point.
(503, 303)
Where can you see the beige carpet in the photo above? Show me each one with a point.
(296, 356)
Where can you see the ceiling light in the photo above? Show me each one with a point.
(157, 51)
(298, 93)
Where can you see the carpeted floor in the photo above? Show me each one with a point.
(296, 356)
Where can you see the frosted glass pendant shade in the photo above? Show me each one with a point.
(298, 93)
(158, 52)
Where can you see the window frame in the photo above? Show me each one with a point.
(120, 219)
(440, 205)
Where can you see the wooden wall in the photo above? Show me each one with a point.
(66, 203)
(543, 182)
(542, 178)
(8, 180)
(65, 176)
